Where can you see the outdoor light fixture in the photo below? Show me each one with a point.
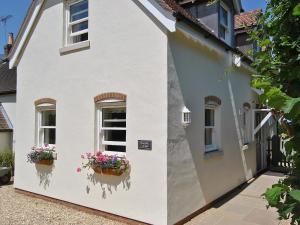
(186, 117)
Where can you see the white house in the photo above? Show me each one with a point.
(173, 74)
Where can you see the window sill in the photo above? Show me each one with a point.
(75, 47)
(213, 152)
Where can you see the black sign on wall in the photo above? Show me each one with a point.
(145, 145)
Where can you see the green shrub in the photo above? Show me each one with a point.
(7, 158)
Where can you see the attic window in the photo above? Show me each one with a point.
(77, 21)
(224, 21)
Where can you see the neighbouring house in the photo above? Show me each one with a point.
(158, 81)
(245, 22)
(8, 78)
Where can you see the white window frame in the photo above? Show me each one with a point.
(100, 141)
(39, 128)
(215, 146)
(228, 26)
(246, 129)
(68, 25)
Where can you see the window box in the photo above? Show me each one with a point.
(47, 162)
(105, 164)
(44, 155)
(113, 172)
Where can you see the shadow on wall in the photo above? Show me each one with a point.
(109, 183)
(44, 173)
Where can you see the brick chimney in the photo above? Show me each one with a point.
(8, 46)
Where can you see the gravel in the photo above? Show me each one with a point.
(19, 209)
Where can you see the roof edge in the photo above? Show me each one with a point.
(37, 5)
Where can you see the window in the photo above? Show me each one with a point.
(212, 124)
(77, 21)
(224, 21)
(246, 132)
(46, 125)
(112, 126)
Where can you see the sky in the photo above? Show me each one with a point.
(18, 8)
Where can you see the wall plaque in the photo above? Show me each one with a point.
(145, 145)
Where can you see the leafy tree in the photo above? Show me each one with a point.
(278, 74)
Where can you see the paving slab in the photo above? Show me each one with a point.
(244, 207)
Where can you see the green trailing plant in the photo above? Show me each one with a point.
(7, 158)
(278, 74)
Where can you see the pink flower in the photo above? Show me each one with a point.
(82, 156)
(78, 170)
(98, 154)
(88, 155)
(101, 158)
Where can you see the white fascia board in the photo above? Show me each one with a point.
(200, 39)
(159, 13)
(15, 57)
(237, 5)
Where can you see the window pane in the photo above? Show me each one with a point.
(49, 136)
(113, 113)
(208, 136)
(80, 38)
(115, 135)
(49, 118)
(209, 117)
(79, 11)
(114, 124)
(114, 148)
(80, 26)
(222, 32)
(223, 16)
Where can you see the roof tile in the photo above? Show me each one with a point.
(247, 19)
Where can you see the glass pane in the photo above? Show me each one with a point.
(209, 117)
(208, 136)
(80, 26)
(114, 148)
(49, 136)
(79, 11)
(114, 124)
(115, 135)
(223, 16)
(49, 118)
(222, 32)
(80, 38)
(113, 113)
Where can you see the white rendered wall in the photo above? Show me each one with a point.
(128, 54)
(194, 72)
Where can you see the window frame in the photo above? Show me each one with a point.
(40, 132)
(215, 146)
(100, 137)
(246, 126)
(227, 27)
(68, 24)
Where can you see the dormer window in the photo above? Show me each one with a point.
(77, 21)
(224, 23)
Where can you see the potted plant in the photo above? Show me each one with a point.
(105, 164)
(42, 155)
